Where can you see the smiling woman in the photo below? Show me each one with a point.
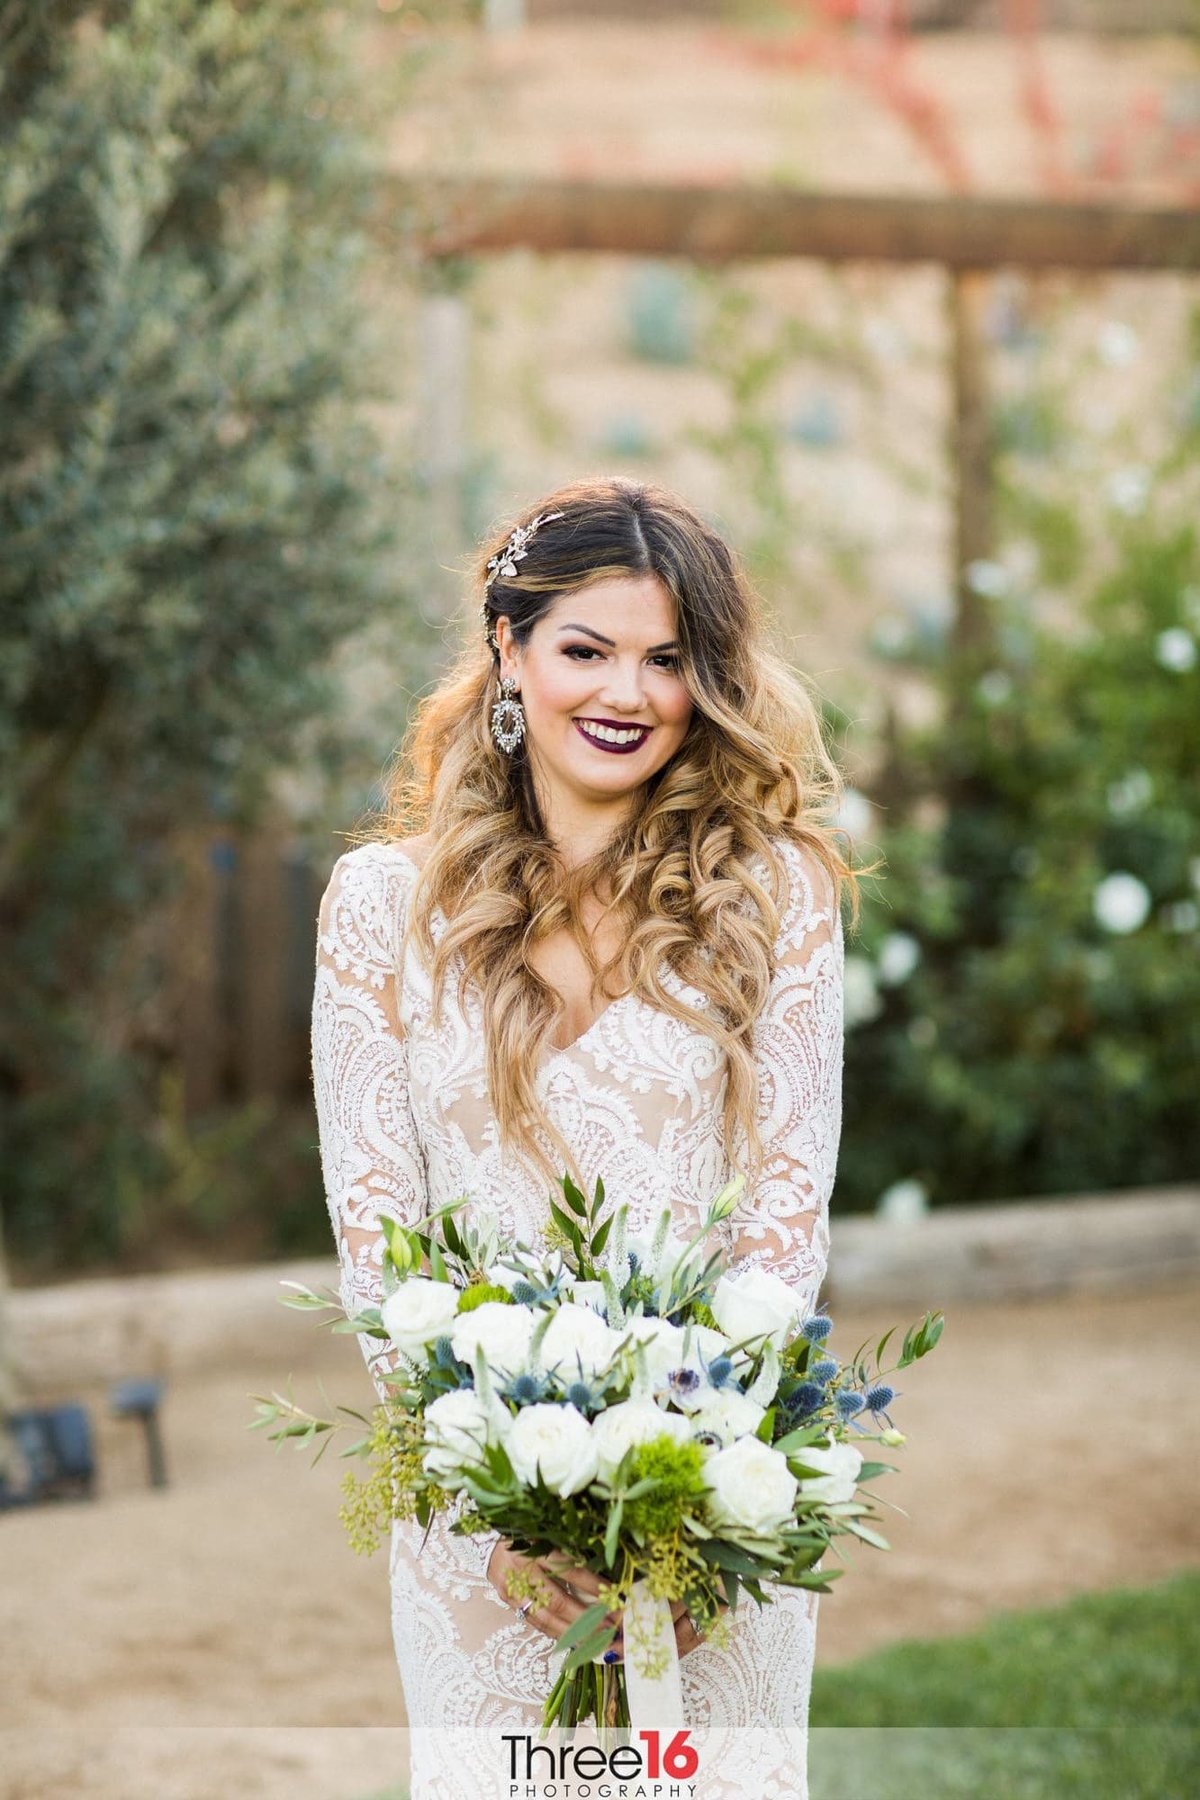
(612, 946)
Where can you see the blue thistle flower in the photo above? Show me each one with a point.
(825, 1369)
(443, 1355)
(524, 1293)
(525, 1389)
(817, 1329)
(580, 1395)
(720, 1370)
(879, 1396)
(805, 1398)
(847, 1403)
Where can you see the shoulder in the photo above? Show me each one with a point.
(381, 858)
(365, 897)
(808, 896)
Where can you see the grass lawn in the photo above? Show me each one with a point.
(1095, 1700)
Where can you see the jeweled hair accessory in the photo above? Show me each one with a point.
(505, 563)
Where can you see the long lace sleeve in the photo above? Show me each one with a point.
(371, 1159)
(783, 1223)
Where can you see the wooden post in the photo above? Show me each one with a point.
(260, 1038)
(195, 1008)
(971, 464)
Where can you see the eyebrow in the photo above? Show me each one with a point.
(673, 644)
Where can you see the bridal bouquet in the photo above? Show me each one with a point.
(622, 1401)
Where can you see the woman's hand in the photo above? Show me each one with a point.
(555, 1585)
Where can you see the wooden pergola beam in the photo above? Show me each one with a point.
(454, 214)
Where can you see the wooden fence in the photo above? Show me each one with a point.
(243, 946)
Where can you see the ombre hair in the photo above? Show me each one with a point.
(752, 767)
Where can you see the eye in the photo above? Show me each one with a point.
(665, 658)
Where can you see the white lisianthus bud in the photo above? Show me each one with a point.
(632, 1422)
(727, 1413)
(577, 1337)
(840, 1464)
(458, 1426)
(498, 1332)
(589, 1293)
(555, 1440)
(751, 1486)
(417, 1312)
(756, 1305)
(655, 1267)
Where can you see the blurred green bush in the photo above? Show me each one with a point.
(193, 514)
(1024, 1000)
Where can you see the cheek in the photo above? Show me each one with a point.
(558, 684)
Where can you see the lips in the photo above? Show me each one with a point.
(614, 749)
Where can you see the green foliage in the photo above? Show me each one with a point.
(1042, 1044)
(190, 505)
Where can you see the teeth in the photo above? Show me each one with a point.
(608, 735)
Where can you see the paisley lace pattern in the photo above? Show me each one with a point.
(405, 1125)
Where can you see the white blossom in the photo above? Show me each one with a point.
(750, 1486)
(1131, 793)
(854, 813)
(1175, 649)
(899, 954)
(1121, 902)
(904, 1202)
(860, 996)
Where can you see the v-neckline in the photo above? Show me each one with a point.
(583, 1037)
(555, 1054)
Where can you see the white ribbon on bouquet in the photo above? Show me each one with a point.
(650, 1636)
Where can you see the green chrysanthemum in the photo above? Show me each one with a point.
(479, 1292)
(677, 1470)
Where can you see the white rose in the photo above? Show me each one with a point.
(557, 1440)
(632, 1422)
(419, 1311)
(457, 1427)
(726, 1412)
(755, 1305)
(841, 1463)
(751, 1486)
(497, 1332)
(577, 1335)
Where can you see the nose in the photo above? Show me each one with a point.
(623, 690)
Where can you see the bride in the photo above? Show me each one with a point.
(614, 946)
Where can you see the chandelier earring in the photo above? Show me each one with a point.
(508, 717)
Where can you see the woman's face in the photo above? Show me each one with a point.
(602, 662)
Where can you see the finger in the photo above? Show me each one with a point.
(583, 1579)
(559, 1612)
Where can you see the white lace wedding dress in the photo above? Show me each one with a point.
(405, 1125)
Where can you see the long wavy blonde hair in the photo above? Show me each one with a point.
(752, 766)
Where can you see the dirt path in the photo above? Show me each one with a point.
(210, 1638)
